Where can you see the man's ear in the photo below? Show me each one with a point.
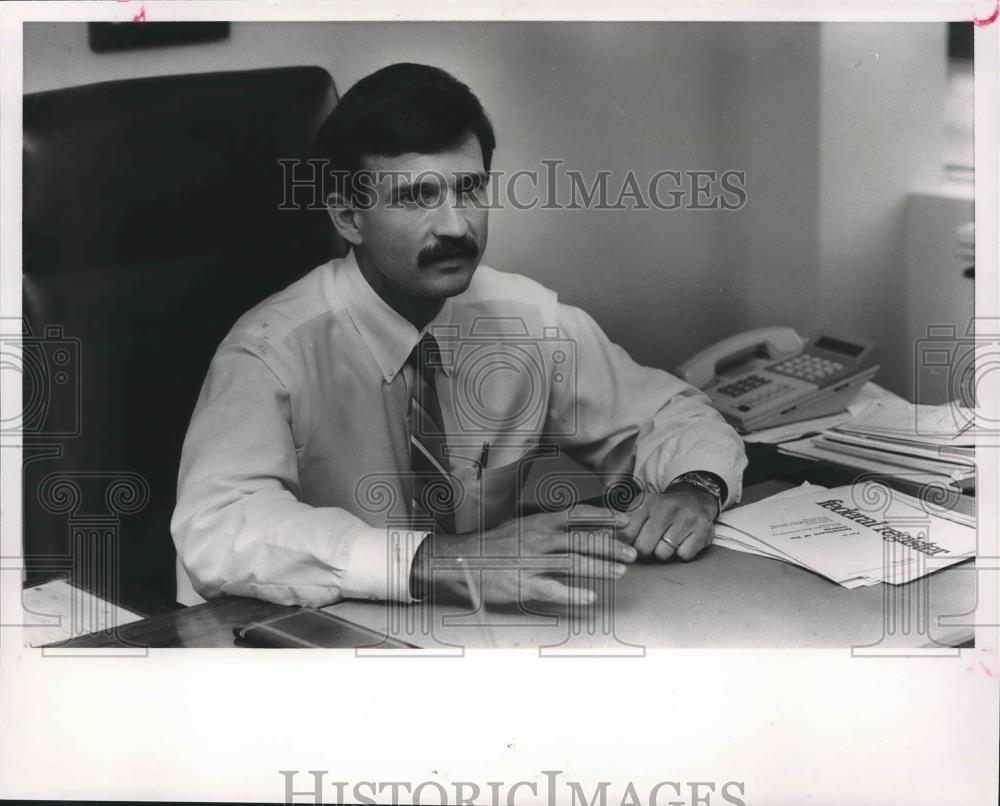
(344, 218)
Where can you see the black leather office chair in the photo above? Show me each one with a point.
(151, 223)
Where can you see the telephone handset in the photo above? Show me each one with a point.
(772, 376)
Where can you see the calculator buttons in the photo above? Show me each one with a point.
(811, 368)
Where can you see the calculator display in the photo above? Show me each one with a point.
(825, 360)
(838, 346)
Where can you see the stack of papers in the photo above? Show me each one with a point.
(923, 444)
(850, 535)
(946, 422)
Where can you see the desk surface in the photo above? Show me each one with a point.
(724, 599)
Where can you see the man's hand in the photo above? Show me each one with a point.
(677, 522)
(582, 537)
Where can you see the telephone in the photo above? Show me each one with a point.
(772, 376)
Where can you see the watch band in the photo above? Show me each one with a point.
(708, 482)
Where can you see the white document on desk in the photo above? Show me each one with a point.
(893, 539)
(736, 540)
(728, 537)
(57, 611)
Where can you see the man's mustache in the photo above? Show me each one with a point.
(448, 249)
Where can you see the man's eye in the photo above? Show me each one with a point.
(470, 184)
(428, 194)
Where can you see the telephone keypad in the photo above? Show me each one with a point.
(753, 390)
(743, 385)
(764, 395)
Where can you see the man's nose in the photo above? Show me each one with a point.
(450, 220)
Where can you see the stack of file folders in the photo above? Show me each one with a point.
(919, 444)
(852, 535)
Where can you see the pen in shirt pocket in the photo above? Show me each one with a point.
(484, 458)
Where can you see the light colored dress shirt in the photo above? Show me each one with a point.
(294, 482)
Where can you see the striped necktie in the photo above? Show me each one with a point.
(433, 490)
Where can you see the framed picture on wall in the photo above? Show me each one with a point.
(107, 37)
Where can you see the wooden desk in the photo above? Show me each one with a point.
(724, 599)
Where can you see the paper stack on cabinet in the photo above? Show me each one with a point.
(923, 444)
(853, 535)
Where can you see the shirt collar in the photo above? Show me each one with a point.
(389, 336)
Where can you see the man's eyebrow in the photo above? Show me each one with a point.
(482, 176)
(400, 186)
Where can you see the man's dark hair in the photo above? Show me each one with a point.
(400, 109)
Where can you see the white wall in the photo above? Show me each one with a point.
(882, 128)
(830, 122)
(773, 106)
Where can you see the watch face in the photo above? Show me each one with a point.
(705, 481)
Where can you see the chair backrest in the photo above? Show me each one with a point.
(151, 223)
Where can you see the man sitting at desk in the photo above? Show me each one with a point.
(407, 383)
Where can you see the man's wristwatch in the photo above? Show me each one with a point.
(708, 482)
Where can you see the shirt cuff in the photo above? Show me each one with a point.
(380, 562)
